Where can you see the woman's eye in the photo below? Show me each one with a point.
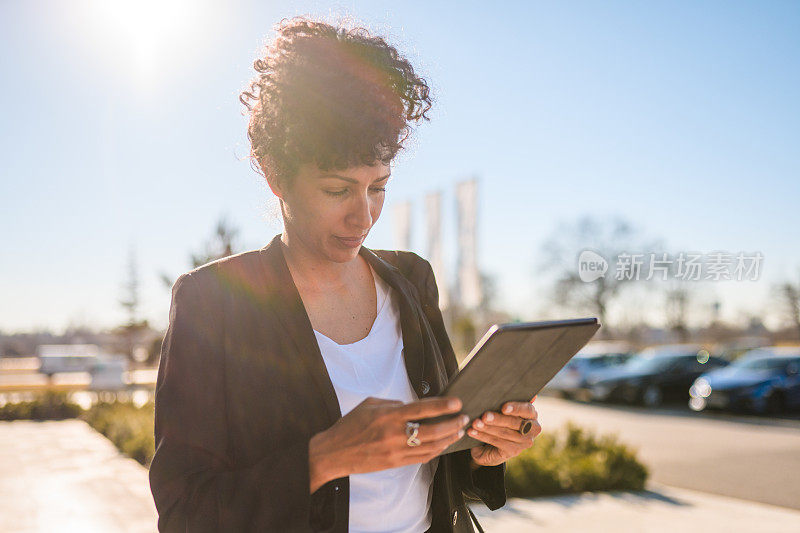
(342, 192)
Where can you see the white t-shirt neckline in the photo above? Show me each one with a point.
(396, 499)
(381, 293)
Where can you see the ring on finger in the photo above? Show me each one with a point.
(412, 432)
(525, 426)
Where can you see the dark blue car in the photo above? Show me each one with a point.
(766, 381)
(656, 375)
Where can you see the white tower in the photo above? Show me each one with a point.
(433, 203)
(402, 226)
(469, 281)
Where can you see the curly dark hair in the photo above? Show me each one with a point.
(331, 96)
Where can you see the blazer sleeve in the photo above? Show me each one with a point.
(195, 486)
(486, 483)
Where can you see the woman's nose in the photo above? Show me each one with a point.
(360, 214)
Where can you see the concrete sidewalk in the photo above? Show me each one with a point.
(661, 509)
(63, 476)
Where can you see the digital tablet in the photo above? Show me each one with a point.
(513, 362)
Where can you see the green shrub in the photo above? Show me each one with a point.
(48, 406)
(129, 427)
(575, 462)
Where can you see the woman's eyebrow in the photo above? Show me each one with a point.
(352, 180)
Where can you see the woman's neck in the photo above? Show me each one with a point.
(311, 270)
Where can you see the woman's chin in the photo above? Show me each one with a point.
(342, 255)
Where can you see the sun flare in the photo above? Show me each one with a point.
(143, 27)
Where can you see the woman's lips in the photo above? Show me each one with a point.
(351, 242)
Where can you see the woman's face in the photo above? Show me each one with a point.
(330, 213)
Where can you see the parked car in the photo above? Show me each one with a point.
(570, 382)
(654, 376)
(734, 349)
(765, 381)
(58, 358)
(109, 374)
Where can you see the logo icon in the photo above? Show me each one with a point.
(591, 266)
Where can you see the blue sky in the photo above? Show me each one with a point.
(122, 128)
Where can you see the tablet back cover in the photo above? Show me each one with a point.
(513, 362)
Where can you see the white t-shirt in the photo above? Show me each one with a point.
(397, 499)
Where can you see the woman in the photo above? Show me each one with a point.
(291, 377)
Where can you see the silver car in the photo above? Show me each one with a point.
(570, 382)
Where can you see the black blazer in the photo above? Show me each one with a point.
(242, 387)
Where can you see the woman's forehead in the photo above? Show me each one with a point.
(360, 173)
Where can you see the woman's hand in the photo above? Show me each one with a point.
(373, 437)
(500, 432)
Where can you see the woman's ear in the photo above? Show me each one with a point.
(275, 185)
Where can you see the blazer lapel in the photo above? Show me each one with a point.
(410, 315)
(291, 312)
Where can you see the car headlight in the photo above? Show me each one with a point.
(700, 389)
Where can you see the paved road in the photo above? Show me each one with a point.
(745, 457)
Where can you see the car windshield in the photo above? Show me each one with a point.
(594, 360)
(650, 362)
(761, 363)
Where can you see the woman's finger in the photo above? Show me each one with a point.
(440, 430)
(433, 446)
(520, 409)
(428, 408)
(506, 447)
(496, 419)
(509, 434)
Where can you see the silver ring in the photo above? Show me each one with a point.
(525, 427)
(412, 430)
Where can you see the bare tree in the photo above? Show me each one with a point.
(130, 290)
(488, 292)
(130, 302)
(680, 296)
(560, 253)
(788, 294)
(222, 243)
(677, 300)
